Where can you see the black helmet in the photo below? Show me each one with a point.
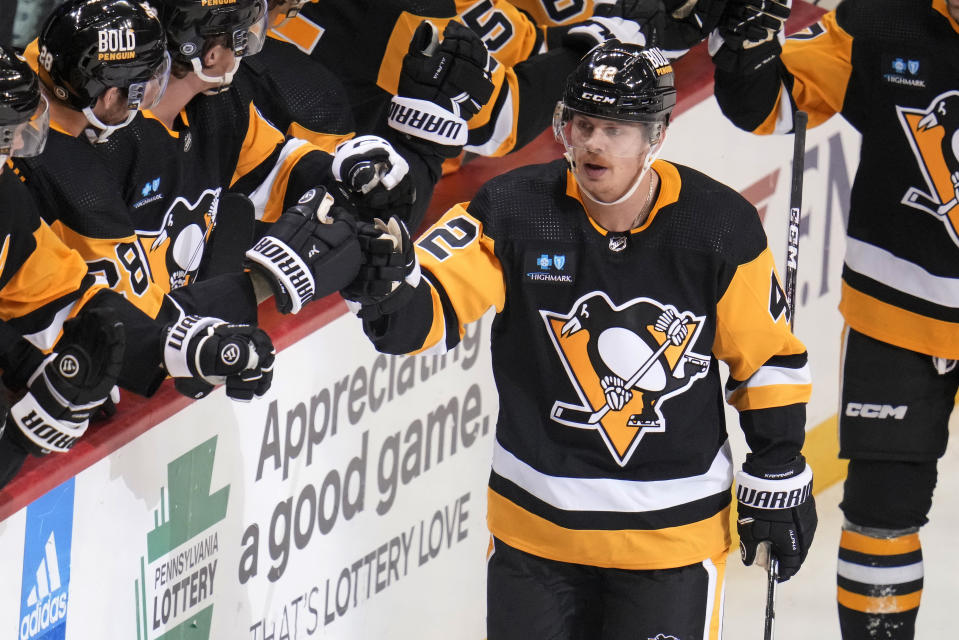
(190, 23)
(622, 82)
(19, 88)
(23, 124)
(88, 46)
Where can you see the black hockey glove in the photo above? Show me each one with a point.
(70, 384)
(390, 271)
(749, 35)
(310, 251)
(630, 21)
(202, 352)
(689, 22)
(442, 85)
(776, 506)
(374, 175)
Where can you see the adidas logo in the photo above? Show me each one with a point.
(47, 606)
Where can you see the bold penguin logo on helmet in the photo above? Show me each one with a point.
(933, 135)
(624, 362)
(88, 46)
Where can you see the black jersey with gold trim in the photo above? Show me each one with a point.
(44, 283)
(526, 85)
(891, 69)
(611, 447)
(303, 99)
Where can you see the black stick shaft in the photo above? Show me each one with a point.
(795, 211)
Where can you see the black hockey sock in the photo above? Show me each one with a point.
(879, 583)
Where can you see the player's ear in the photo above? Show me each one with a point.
(109, 103)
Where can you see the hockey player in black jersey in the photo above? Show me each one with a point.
(890, 68)
(302, 98)
(622, 280)
(141, 204)
(65, 341)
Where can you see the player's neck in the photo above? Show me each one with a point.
(67, 118)
(178, 94)
(629, 214)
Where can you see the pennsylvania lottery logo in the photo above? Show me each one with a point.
(174, 592)
(46, 565)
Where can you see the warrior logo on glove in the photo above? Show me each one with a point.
(624, 362)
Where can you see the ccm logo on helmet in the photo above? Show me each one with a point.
(595, 97)
(116, 44)
(881, 411)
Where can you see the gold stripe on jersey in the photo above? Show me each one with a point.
(299, 31)
(129, 278)
(325, 141)
(661, 548)
(879, 604)
(473, 281)
(899, 327)
(52, 271)
(744, 310)
(260, 142)
(716, 616)
(821, 67)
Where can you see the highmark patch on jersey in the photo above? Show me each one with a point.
(549, 266)
(624, 361)
(933, 135)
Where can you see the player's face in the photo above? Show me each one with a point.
(608, 154)
(953, 6)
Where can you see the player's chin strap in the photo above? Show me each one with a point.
(101, 131)
(647, 163)
(222, 82)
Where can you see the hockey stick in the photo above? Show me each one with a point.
(916, 198)
(576, 416)
(792, 264)
(795, 211)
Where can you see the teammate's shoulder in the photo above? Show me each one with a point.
(888, 20)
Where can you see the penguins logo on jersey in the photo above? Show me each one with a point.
(180, 239)
(933, 135)
(624, 362)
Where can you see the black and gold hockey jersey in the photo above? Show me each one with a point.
(891, 69)
(611, 448)
(363, 42)
(301, 97)
(44, 283)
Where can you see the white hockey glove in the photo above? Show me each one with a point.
(776, 506)
(374, 174)
(69, 385)
(390, 271)
(308, 253)
(749, 35)
(670, 323)
(441, 86)
(202, 352)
